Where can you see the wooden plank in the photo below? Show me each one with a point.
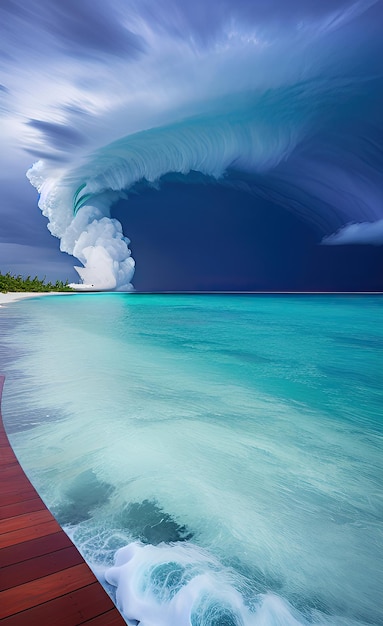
(12, 496)
(43, 589)
(7, 457)
(25, 520)
(10, 471)
(38, 567)
(6, 452)
(15, 473)
(21, 552)
(71, 609)
(18, 508)
(14, 468)
(9, 489)
(111, 618)
(24, 534)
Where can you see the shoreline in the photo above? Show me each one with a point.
(14, 296)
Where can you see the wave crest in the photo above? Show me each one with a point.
(250, 133)
(180, 585)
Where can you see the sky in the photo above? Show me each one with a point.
(239, 144)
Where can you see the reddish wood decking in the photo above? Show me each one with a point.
(44, 580)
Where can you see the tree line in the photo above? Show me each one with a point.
(18, 283)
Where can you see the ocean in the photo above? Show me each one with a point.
(216, 458)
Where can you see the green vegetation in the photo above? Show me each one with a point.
(18, 283)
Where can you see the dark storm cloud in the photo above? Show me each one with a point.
(89, 27)
(28, 260)
(26, 246)
(203, 20)
(81, 26)
(59, 136)
(20, 218)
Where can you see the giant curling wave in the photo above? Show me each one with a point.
(292, 138)
(78, 203)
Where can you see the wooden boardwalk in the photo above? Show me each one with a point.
(44, 581)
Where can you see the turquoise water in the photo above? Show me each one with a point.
(228, 447)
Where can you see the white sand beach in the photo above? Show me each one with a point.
(13, 296)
